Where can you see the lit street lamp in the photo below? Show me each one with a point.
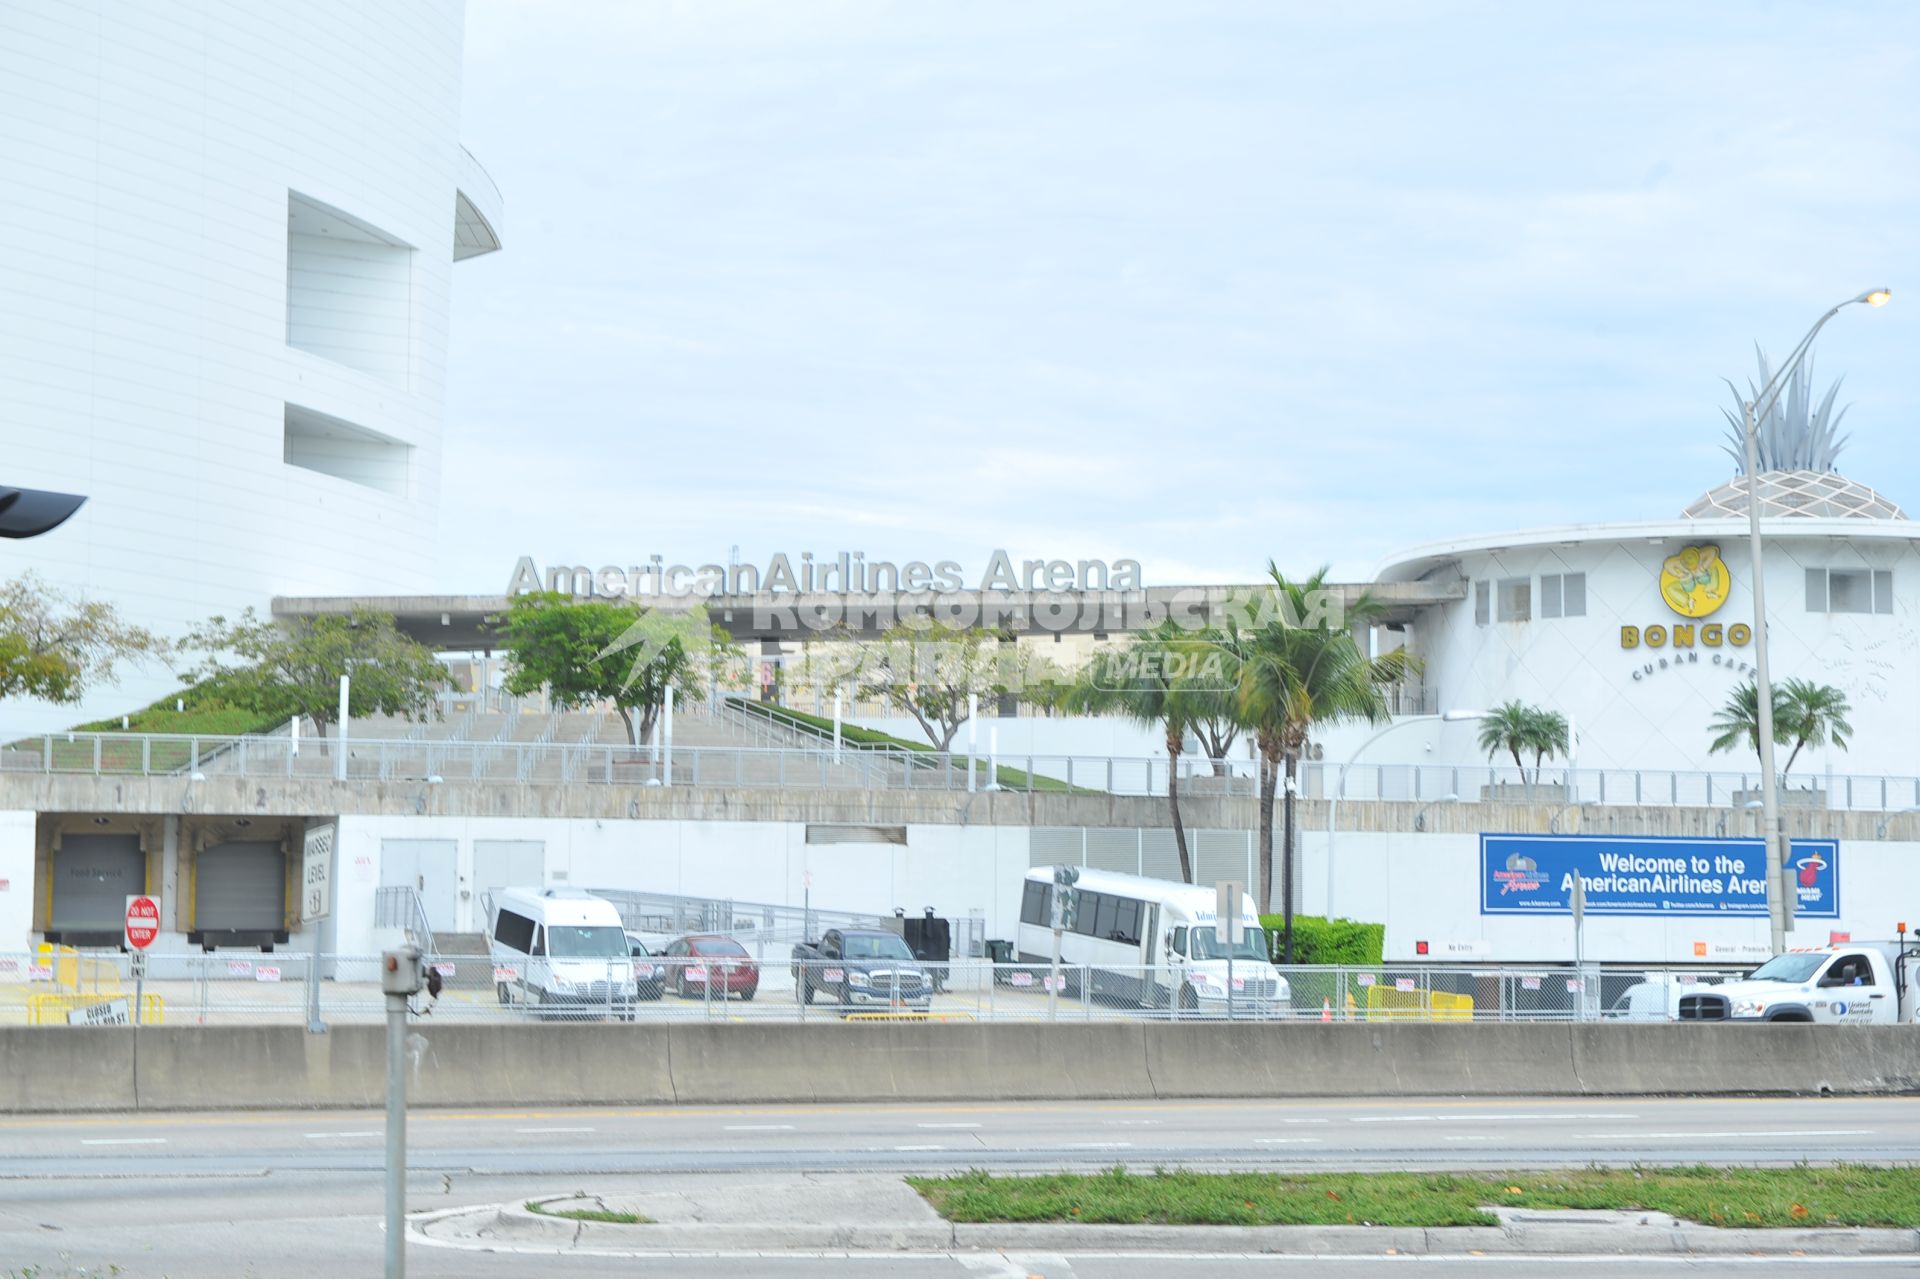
(1755, 411)
(1340, 786)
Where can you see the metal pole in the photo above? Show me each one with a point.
(667, 767)
(340, 747)
(836, 726)
(973, 712)
(1763, 689)
(396, 1135)
(1053, 982)
(314, 1025)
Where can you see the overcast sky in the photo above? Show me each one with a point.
(1196, 284)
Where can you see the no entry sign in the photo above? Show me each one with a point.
(143, 922)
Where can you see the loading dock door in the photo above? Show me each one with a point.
(92, 877)
(240, 894)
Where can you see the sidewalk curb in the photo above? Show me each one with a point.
(509, 1227)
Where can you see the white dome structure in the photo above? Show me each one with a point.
(1808, 495)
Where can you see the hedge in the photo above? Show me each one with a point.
(1317, 940)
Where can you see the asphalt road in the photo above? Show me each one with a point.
(298, 1193)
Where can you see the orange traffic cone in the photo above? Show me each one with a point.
(1326, 1010)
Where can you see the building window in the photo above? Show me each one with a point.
(1849, 590)
(1516, 599)
(1563, 595)
(1482, 594)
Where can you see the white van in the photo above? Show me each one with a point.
(561, 948)
(1152, 941)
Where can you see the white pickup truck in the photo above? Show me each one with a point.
(1862, 984)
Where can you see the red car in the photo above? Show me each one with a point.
(710, 960)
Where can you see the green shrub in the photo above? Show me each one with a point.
(1317, 940)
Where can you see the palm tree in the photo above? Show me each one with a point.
(1816, 716)
(1804, 714)
(1508, 727)
(1514, 727)
(1143, 682)
(1298, 672)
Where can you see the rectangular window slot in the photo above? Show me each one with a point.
(1515, 599)
(1849, 590)
(349, 290)
(317, 442)
(1482, 593)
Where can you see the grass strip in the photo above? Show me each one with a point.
(852, 736)
(1844, 1195)
(589, 1214)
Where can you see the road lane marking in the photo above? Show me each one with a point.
(1288, 1141)
(946, 1125)
(553, 1130)
(759, 1127)
(123, 1141)
(1469, 1137)
(1481, 1118)
(1098, 1145)
(322, 1136)
(1133, 1123)
(1749, 1132)
(919, 1147)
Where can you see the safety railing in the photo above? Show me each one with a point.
(240, 988)
(193, 759)
(399, 906)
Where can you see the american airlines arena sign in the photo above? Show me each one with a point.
(847, 573)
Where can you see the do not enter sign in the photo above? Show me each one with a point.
(143, 922)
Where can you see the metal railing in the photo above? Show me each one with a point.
(399, 906)
(587, 762)
(238, 988)
(669, 915)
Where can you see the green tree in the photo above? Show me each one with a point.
(584, 652)
(54, 648)
(283, 669)
(1301, 668)
(1804, 714)
(1141, 682)
(929, 672)
(1515, 727)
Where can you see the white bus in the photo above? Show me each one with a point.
(1150, 941)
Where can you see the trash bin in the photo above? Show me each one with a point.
(999, 953)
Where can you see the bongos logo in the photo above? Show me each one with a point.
(1694, 583)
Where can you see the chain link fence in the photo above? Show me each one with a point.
(250, 988)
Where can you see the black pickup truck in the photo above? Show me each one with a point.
(860, 968)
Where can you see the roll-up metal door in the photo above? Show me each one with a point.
(240, 887)
(93, 875)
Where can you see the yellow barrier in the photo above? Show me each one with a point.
(52, 1010)
(75, 972)
(1386, 1003)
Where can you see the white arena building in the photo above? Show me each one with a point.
(225, 317)
(230, 334)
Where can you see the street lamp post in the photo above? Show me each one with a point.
(1340, 785)
(1755, 411)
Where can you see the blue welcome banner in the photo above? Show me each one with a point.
(1650, 875)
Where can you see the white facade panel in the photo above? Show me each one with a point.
(151, 150)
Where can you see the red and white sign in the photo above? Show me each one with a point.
(143, 922)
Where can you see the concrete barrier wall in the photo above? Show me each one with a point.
(195, 1068)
